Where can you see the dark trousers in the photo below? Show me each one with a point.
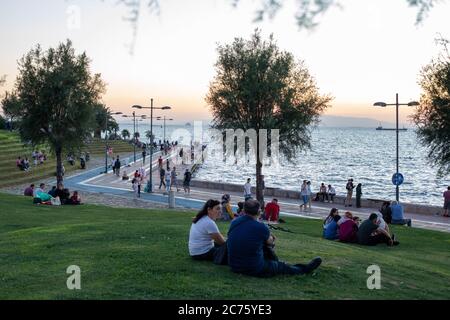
(208, 256)
(379, 238)
(139, 190)
(358, 201)
(162, 182)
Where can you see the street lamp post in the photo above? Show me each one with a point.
(134, 130)
(150, 182)
(108, 114)
(396, 104)
(159, 118)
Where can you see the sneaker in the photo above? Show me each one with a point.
(395, 243)
(409, 223)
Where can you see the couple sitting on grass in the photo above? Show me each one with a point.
(249, 247)
(347, 229)
(57, 196)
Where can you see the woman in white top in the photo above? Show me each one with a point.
(205, 237)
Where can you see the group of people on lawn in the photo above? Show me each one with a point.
(24, 164)
(249, 248)
(58, 195)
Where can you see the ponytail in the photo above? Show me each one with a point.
(208, 205)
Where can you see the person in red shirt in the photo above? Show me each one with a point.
(272, 211)
(446, 202)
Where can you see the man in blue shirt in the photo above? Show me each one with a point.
(397, 214)
(249, 243)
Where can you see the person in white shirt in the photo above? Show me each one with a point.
(205, 239)
(331, 193)
(247, 190)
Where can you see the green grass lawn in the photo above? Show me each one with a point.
(142, 254)
(11, 147)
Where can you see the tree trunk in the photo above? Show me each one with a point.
(259, 184)
(59, 173)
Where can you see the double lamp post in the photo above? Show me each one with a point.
(397, 178)
(150, 182)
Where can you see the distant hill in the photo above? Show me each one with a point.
(341, 121)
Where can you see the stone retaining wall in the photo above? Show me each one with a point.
(281, 193)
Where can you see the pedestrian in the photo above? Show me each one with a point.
(304, 195)
(358, 195)
(144, 153)
(181, 154)
(134, 183)
(117, 166)
(168, 165)
(308, 188)
(173, 179)
(446, 196)
(349, 186)
(168, 186)
(247, 190)
(187, 182)
(160, 162)
(162, 174)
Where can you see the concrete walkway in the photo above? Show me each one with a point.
(95, 181)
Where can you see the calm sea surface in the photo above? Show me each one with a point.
(366, 155)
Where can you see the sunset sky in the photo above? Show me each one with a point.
(365, 52)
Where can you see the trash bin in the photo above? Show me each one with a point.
(171, 199)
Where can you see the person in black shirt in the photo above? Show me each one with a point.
(370, 234)
(187, 181)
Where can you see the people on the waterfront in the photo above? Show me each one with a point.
(125, 176)
(370, 234)
(386, 211)
(29, 191)
(358, 195)
(135, 186)
(446, 196)
(168, 180)
(330, 225)
(205, 239)
(160, 162)
(304, 195)
(250, 247)
(309, 191)
(247, 189)
(75, 199)
(323, 192)
(117, 166)
(144, 154)
(349, 187)
(162, 175)
(397, 214)
(227, 212)
(272, 211)
(331, 193)
(187, 181)
(53, 192)
(173, 179)
(62, 193)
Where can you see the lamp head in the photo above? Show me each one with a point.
(166, 108)
(137, 107)
(413, 104)
(380, 104)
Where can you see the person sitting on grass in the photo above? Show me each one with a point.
(331, 230)
(348, 228)
(29, 191)
(62, 193)
(250, 247)
(75, 199)
(397, 214)
(227, 212)
(19, 163)
(53, 192)
(205, 239)
(370, 234)
(272, 211)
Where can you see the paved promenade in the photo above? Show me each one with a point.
(95, 181)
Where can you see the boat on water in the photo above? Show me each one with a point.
(390, 129)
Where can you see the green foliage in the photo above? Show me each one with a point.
(432, 117)
(257, 86)
(125, 134)
(102, 113)
(143, 254)
(57, 94)
(2, 123)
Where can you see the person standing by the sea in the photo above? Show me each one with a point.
(358, 195)
(349, 187)
(304, 195)
(144, 154)
(446, 201)
(308, 188)
(247, 190)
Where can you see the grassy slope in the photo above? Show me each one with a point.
(11, 147)
(142, 254)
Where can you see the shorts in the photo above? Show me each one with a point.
(446, 205)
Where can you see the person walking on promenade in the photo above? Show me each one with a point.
(173, 179)
(187, 182)
(308, 188)
(117, 166)
(167, 164)
(160, 162)
(446, 202)
(247, 190)
(349, 187)
(331, 193)
(358, 195)
(162, 175)
(304, 195)
(144, 154)
(168, 175)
